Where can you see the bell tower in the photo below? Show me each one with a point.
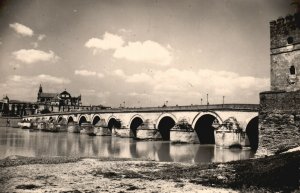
(39, 93)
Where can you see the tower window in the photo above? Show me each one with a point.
(290, 40)
(292, 70)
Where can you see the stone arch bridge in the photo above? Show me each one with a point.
(199, 118)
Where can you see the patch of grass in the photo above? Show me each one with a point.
(148, 164)
(27, 186)
(132, 174)
(7, 162)
(44, 177)
(274, 173)
(111, 174)
(71, 191)
(132, 187)
(286, 145)
(116, 175)
(280, 172)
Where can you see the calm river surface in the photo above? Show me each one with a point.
(15, 141)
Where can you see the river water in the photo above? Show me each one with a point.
(15, 141)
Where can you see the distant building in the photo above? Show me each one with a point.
(16, 108)
(56, 102)
(46, 103)
(62, 99)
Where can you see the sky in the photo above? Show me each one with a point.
(138, 52)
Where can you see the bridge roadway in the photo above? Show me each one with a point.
(127, 121)
(229, 107)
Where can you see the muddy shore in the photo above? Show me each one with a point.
(64, 174)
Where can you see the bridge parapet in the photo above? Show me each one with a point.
(219, 107)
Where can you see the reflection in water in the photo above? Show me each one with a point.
(15, 141)
(205, 153)
(184, 152)
(163, 152)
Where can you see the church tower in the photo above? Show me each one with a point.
(39, 93)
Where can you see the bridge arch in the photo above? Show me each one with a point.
(51, 119)
(82, 119)
(62, 120)
(96, 118)
(70, 120)
(113, 122)
(59, 118)
(134, 123)
(165, 123)
(252, 133)
(203, 125)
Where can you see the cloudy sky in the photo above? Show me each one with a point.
(143, 52)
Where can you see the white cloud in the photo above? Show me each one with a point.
(21, 29)
(88, 92)
(145, 52)
(33, 56)
(175, 84)
(119, 72)
(109, 42)
(14, 65)
(123, 30)
(209, 81)
(25, 87)
(100, 75)
(34, 80)
(142, 77)
(103, 94)
(138, 94)
(41, 37)
(51, 79)
(88, 73)
(85, 73)
(142, 52)
(34, 44)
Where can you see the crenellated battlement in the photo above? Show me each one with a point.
(287, 21)
(285, 31)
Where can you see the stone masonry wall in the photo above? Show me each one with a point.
(285, 53)
(279, 119)
(281, 62)
(13, 121)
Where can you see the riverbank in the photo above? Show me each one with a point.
(63, 174)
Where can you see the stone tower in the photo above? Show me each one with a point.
(279, 113)
(285, 53)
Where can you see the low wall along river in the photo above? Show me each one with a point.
(13, 121)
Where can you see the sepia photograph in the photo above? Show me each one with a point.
(150, 96)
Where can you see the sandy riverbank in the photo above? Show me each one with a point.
(274, 173)
(93, 175)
